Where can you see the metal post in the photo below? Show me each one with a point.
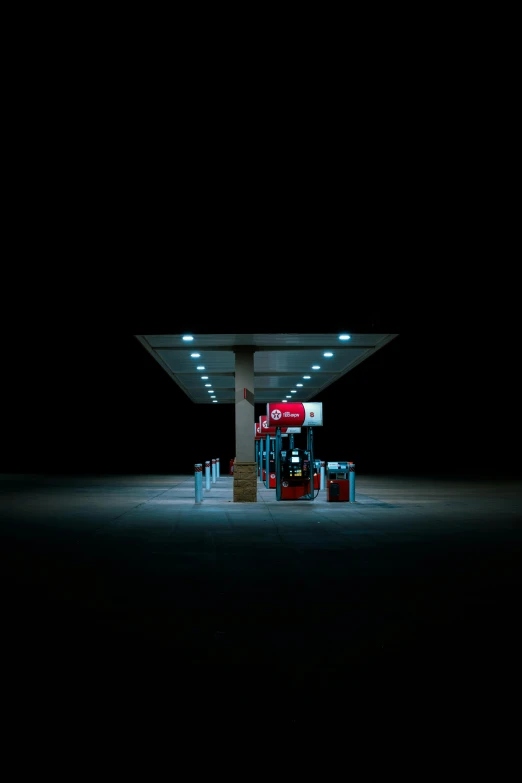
(198, 481)
(309, 450)
(352, 481)
(278, 443)
(217, 466)
(322, 483)
(213, 471)
(207, 474)
(267, 478)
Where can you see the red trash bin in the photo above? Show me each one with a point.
(231, 467)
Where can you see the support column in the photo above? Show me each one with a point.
(245, 478)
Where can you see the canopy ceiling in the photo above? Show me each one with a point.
(281, 362)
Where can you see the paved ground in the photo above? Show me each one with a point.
(125, 597)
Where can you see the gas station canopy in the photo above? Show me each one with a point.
(286, 366)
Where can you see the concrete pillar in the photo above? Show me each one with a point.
(245, 478)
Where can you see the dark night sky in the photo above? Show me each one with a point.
(82, 395)
(242, 226)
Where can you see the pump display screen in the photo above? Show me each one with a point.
(295, 467)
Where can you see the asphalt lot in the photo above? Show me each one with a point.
(125, 597)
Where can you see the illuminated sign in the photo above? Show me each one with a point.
(302, 414)
(262, 429)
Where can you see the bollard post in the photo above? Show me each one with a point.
(198, 481)
(213, 471)
(207, 474)
(352, 481)
(217, 467)
(321, 483)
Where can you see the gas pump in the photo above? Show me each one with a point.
(271, 469)
(295, 474)
(295, 470)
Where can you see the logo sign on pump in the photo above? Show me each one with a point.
(294, 414)
(262, 429)
(260, 432)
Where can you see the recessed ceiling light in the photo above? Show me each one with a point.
(195, 355)
(288, 396)
(208, 384)
(187, 337)
(293, 391)
(316, 367)
(299, 384)
(328, 353)
(307, 377)
(204, 377)
(214, 400)
(344, 337)
(200, 367)
(212, 395)
(210, 391)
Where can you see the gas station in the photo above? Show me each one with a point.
(283, 599)
(287, 373)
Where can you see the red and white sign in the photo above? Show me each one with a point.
(294, 414)
(262, 429)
